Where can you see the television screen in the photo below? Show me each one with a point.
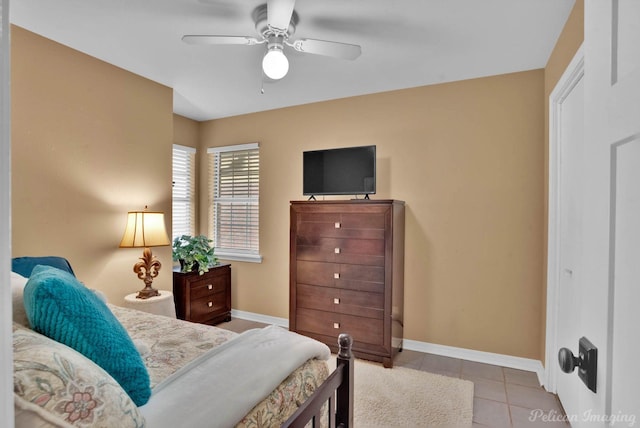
(344, 171)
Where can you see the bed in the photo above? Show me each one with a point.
(198, 375)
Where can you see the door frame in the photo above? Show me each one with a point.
(570, 78)
(6, 338)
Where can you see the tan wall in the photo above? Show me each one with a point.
(90, 142)
(186, 132)
(468, 159)
(566, 47)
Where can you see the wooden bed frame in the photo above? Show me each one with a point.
(336, 392)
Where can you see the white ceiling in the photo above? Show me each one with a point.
(405, 43)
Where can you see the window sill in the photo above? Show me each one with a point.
(239, 257)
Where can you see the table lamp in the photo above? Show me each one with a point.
(145, 229)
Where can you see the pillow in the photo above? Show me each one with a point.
(55, 386)
(24, 265)
(63, 309)
(17, 288)
(30, 415)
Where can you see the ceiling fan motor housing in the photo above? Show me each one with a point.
(260, 17)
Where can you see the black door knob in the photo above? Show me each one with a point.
(587, 361)
(568, 361)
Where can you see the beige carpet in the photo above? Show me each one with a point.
(402, 397)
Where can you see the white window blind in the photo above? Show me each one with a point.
(183, 205)
(235, 188)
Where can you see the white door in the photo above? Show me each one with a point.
(609, 263)
(612, 31)
(565, 160)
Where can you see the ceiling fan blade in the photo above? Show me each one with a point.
(220, 40)
(279, 13)
(323, 47)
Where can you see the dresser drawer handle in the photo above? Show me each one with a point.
(336, 301)
(336, 275)
(209, 286)
(337, 225)
(210, 304)
(336, 250)
(336, 325)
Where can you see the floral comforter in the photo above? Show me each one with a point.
(167, 344)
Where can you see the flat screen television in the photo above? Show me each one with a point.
(343, 171)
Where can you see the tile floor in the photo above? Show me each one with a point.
(503, 397)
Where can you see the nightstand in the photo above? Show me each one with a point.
(158, 305)
(205, 298)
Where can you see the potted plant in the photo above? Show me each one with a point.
(194, 253)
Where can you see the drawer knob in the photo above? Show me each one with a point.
(336, 275)
(336, 250)
(210, 304)
(209, 286)
(336, 325)
(337, 225)
(336, 301)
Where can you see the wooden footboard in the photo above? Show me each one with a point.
(336, 391)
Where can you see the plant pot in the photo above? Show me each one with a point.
(195, 267)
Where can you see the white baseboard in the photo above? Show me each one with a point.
(519, 363)
(265, 319)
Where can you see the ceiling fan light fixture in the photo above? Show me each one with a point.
(275, 64)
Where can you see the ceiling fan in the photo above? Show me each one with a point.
(275, 23)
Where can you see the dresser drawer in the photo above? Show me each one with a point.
(322, 255)
(344, 220)
(362, 329)
(353, 277)
(311, 231)
(341, 301)
(208, 307)
(371, 247)
(208, 287)
(351, 251)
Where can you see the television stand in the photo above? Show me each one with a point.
(311, 198)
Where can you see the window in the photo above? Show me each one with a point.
(183, 205)
(235, 184)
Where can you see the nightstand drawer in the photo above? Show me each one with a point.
(360, 303)
(365, 330)
(208, 307)
(207, 287)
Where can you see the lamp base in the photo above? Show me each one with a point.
(147, 269)
(145, 293)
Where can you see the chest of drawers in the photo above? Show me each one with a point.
(203, 298)
(347, 273)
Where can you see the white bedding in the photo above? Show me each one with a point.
(240, 372)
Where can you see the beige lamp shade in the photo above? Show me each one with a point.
(145, 229)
